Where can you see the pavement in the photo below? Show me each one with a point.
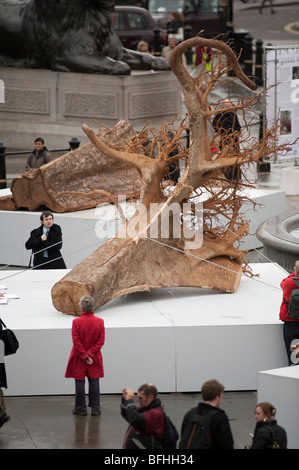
(280, 28)
(47, 422)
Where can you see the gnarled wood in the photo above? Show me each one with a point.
(78, 180)
(120, 267)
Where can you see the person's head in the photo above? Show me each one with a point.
(47, 219)
(296, 267)
(227, 103)
(39, 143)
(171, 42)
(175, 15)
(87, 304)
(264, 411)
(146, 394)
(142, 46)
(212, 392)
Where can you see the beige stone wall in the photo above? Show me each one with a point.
(54, 105)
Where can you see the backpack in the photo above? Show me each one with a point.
(293, 307)
(171, 436)
(274, 436)
(196, 433)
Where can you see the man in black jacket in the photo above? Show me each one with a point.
(45, 243)
(207, 425)
(39, 156)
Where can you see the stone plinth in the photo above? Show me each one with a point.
(56, 104)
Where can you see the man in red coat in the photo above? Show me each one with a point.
(291, 325)
(88, 334)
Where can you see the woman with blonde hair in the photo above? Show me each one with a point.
(142, 46)
(267, 434)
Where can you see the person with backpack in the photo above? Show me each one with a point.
(146, 422)
(289, 311)
(206, 426)
(267, 434)
(39, 156)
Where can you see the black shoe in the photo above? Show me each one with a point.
(3, 419)
(80, 411)
(95, 411)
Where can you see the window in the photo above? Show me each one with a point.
(136, 21)
(118, 21)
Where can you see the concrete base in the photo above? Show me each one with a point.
(279, 244)
(281, 388)
(176, 338)
(54, 105)
(82, 230)
(290, 181)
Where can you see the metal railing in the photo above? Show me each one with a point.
(74, 143)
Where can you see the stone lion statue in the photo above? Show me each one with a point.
(67, 36)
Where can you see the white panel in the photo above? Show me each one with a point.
(80, 229)
(281, 388)
(176, 337)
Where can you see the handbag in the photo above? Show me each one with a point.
(11, 344)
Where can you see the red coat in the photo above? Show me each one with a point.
(88, 333)
(287, 286)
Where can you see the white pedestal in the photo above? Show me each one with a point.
(281, 388)
(176, 338)
(81, 229)
(290, 181)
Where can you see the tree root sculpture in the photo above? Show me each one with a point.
(135, 260)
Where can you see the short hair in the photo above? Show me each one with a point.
(87, 303)
(297, 266)
(211, 389)
(39, 139)
(46, 214)
(141, 43)
(268, 409)
(148, 389)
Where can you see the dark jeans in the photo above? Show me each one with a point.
(93, 393)
(290, 332)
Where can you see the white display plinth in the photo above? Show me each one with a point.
(81, 229)
(176, 337)
(281, 388)
(290, 181)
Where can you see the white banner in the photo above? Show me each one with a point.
(282, 101)
(2, 92)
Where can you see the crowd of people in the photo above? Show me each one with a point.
(204, 427)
